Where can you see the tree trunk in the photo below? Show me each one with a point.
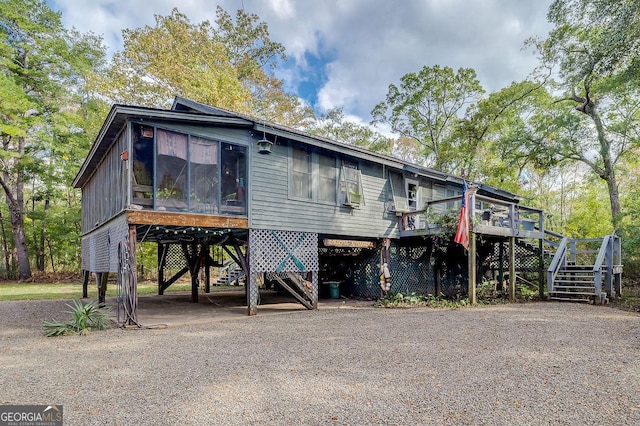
(609, 173)
(40, 257)
(22, 252)
(5, 248)
(15, 201)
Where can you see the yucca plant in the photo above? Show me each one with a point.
(83, 319)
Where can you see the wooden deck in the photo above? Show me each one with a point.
(487, 216)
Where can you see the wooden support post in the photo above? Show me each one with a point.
(102, 278)
(512, 269)
(207, 271)
(541, 268)
(314, 290)
(133, 279)
(501, 265)
(472, 267)
(252, 294)
(85, 283)
(193, 261)
(163, 249)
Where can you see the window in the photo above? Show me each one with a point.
(412, 194)
(180, 172)
(301, 174)
(143, 164)
(233, 179)
(204, 175)
(171, 172)
(351, 185)
(328, 179)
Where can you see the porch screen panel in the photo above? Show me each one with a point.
(171, 171)
(204, 175)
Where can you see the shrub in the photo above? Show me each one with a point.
(83, 319)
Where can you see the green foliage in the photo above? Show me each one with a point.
(427, 107)
(333, 125)
(400, 300)
(44, 70)
(221, 65)
(84, 318)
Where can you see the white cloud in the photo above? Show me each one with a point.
(368, 43)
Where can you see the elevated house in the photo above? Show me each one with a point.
(299, 210)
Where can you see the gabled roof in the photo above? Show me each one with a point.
(120, 114)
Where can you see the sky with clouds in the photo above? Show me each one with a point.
(346, 52)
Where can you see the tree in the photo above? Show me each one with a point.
(428, 107)
(333, 125)
(223, 65)
(42, 67)
(595, 47)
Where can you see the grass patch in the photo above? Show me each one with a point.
(49, 291)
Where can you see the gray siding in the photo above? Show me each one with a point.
(105, 194)
(271, 207)
(223, 134)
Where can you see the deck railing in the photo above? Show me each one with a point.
(487, 215)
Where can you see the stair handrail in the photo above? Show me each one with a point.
(599, 263)
(558, 261)
(226, 265)
(602, 254)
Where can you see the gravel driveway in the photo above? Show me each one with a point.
(536, 363)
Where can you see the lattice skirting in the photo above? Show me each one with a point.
(100, 247)
(282, 251)
(416, 268)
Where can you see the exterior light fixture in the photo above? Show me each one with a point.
(264, 144)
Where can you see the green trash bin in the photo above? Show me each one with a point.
(334, 289)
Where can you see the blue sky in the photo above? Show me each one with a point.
(345, 53)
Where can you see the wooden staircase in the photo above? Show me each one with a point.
(230, 274)
(597, 280)
(575, 283)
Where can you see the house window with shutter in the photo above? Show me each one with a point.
(351, 193)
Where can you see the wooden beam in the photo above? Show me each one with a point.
(149, 217)
(193, 260)
(294, 293)
(243, 261)
(175, 278)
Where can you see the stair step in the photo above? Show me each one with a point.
(573, 287)
(576, 278)
(571, 293)
(587, 283)
(577, 268)
(566, 299)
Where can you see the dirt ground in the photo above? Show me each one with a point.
(346, 363)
